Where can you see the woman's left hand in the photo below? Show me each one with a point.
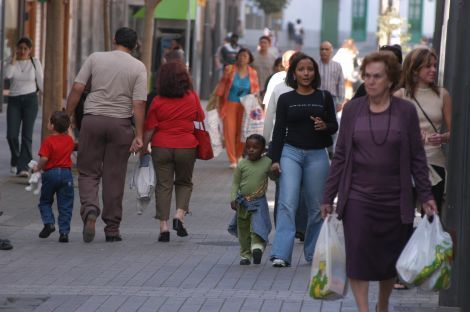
(319, 124)
(437, 139)
(430, 207)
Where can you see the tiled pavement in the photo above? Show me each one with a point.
(196, 273)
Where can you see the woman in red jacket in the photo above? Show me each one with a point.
(170, 130)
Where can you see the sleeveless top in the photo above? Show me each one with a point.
(432, 104)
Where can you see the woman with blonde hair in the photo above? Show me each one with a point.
(434, 106)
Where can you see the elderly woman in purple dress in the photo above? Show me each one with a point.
(379, 152)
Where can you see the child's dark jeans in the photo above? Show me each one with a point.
(57, 181)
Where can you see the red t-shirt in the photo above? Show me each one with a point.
(173, 119)
(57, 148)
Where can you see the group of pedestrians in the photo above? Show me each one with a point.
(387, 156)
(388, 160)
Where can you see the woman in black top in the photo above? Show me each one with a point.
(305, 121)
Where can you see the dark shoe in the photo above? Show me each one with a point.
(5, 244)
(245, 262)
(257, 255)
(300, 236)
(89, 228)
(63, 238)
(179, 228)
(46, 230)
(164, 237)
(114, 238)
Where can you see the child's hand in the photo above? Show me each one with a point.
(276, 169)
(233, 205)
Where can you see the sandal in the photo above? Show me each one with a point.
(399, 286)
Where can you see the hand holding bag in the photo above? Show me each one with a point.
(426, 259)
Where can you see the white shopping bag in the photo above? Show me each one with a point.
(253, 118)
(143, 180)
(426, 259)
(328, 276)
(214, 127)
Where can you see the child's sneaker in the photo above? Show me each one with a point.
(279, 263)
(257, 255)
(47, 230)
(245, 262)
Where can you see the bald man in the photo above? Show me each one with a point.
(331, 74)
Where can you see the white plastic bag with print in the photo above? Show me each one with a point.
(143, 180)
(253, 118)
(328, 275)
(426, 259)
(214, 127)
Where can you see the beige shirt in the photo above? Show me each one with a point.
(433, 105)
(263, 63)
(117, 78)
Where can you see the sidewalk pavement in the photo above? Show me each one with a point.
(195, 273)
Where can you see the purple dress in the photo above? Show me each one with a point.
(373, 230)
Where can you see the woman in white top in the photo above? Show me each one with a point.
(26, 78)
(434, 106)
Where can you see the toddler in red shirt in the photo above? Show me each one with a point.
(55, 162)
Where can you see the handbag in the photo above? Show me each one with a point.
(35, 78)
(204, 149)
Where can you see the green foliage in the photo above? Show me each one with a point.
(271, 6)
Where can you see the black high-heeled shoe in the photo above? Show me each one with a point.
(164, 237)
(179, 228)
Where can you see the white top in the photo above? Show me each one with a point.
(276, 79)
(117, 79)
(270, 118)
(23, 76)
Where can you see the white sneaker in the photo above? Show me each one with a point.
(279, 263)
(13, 170)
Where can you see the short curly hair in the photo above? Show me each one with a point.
(173, 80)
(245, 50)
(392, 67)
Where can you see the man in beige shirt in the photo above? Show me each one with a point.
(118, 93)
(263, 62)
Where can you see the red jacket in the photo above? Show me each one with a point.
(173, 121)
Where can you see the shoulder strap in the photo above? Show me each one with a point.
(424, 113)
(35, 78)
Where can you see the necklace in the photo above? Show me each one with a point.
(21, 67)
(388, 126)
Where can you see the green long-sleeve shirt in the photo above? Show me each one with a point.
(249, 176)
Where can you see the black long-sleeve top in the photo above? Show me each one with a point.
(294, 126)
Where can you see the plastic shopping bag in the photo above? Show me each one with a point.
(328, 276)
(253, 118)
(143, 180)
(215, 132)
(426, 259)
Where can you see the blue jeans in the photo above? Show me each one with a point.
(306, 169)
(57, 181)
(21, 114)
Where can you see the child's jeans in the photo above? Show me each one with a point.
(57, 181)
(247, 238)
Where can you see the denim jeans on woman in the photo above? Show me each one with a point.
(57, 181)
(21, 114)
(305, 169)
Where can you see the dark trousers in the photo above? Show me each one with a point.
(21, 114)
(173, 167)
(103, 153)
(57, 181)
